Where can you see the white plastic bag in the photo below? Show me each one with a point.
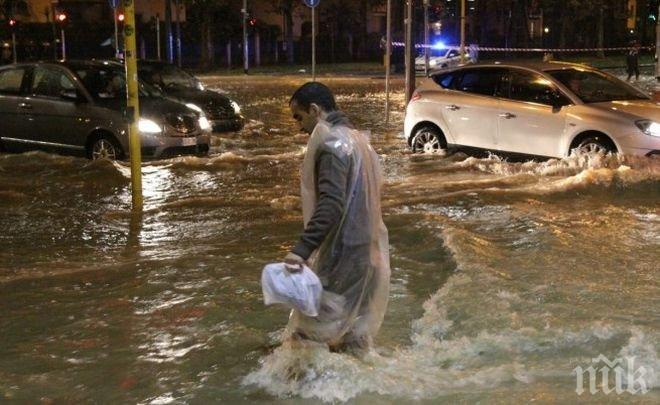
(301, 290)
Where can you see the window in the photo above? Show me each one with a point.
(533, 88)
(446, 80)
(595, 87)
(453, 53)
(484, 81)
(11, 80)
(49, 82)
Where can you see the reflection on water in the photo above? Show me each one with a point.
(506, 275)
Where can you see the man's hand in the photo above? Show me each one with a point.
(293, 263)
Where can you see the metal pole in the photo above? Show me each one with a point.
(169, 40)
(313, 44)
(246, 53)
(133, 103)
(13, 42)
(657, 46)
(426, 37)
(52, 11)
(388, 61)
(63, 44)
(116, 34)
(158, 36)
(462, 31)
(178, 32)
(410, 51)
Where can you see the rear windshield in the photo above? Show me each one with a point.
(596, 87)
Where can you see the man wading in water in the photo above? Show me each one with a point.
(345, 240)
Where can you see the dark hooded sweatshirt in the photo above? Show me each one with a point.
(331, 180)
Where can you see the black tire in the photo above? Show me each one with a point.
(595, 144)
(427, 139)
(105, 147)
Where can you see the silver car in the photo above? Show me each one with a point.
(77, 108)
(545, 109)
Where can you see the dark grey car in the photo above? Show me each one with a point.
(177, 84)
(77, 108)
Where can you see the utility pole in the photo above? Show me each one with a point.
(177, 4)
(169, 40)
(132, 103)
(114, 13)
(158, 55)
(246, 51)
(410, 52)
(426, 37)
(313, 44)
(462, 31)
(657, 46)
(388, 61)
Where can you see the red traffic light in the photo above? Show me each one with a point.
(253, 21)
(61, 17)
(12, 22)
(120, 17)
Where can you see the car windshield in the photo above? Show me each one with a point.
(595, 87)
(109, 83)
(167, 76)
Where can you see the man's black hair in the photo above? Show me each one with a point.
(317, 93)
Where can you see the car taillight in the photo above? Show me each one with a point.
(416, 96)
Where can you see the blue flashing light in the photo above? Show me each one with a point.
(439, 45)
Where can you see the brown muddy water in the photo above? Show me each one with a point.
(505, 276)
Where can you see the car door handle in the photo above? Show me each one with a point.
(25, 106)
(452, 107)
(508, 116)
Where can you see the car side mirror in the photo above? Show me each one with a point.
(70, 95)
(557, 102)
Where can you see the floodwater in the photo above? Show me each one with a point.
(505, 276)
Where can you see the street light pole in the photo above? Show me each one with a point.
(177, 15)
(388, 61)
(63, 44)
(116, 34)
(462, 31)
(158, 37)
(313, 44)
(246, 53)
(410, 50)
(657, 46)
(426, 37)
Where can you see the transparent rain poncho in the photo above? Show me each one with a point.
(353, 260)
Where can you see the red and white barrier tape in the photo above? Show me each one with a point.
(492, 49)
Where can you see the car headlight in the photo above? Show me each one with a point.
(649, 127)
(204, 123)
(194, 107)
(147, 126)
(433, 62)
(236, 107)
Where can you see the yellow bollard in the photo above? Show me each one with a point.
(133, 103)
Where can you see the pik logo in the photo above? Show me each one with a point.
(627, 378)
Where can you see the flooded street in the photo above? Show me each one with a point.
(505, 276)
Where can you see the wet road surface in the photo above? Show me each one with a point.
(505, 276)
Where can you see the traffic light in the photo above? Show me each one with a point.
(121, 17)
(252, 21)
(61, 18)
(12, 23)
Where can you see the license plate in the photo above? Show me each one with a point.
(189, 141)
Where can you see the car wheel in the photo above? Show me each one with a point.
(595, 144)
(427, 140)
(105, 148)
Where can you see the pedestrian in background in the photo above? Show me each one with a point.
(632, 61)
(344, 241)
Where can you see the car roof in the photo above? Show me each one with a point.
(533, 65)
